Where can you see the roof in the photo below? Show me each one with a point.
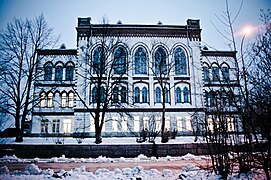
(57, 52)
(219, 53)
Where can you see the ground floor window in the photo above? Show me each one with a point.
(67, 125)
(136, 124)
(44, 126)
(55, 126)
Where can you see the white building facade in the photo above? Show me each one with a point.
(67, 96)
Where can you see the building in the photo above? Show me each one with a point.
(143, 66)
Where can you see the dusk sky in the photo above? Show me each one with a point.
(62, 14)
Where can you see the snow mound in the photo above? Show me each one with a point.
(10, 159)
(4, 170)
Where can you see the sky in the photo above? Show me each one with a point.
(62, 15)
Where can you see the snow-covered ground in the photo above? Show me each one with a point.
(189, 171)
(111, 140)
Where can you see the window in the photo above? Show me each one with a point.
(167, 95)
(59, 73)
(55, 126)
(69, 72)
(43, 100)
(180, 62)
(102, 97)
(160, 61)
(215, 73)
(115, 95)
(225, 74)
(67, 125)
(123, 95)
(99, 60)
(158, 95)
(48, 69)
(119, 61)
(144, 95)
(211, 99)
(94, 95)
(140, 61)
(186, 95)
(71, 96)
(44, 126)
(50, 100)
(178, 95)
(223, 98)
(206, 74)
(137, 95)
(63, 100)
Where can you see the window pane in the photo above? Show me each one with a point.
(71, 99)
(144, 95)
(69, 73)
(137, 95)
(59, 73)
(215, 73)
(225, 74)
(120, 61)
(99, 60)
(160, 61)
(94, 95)
(180, 62)
(140, 61)
(206, 74)
(178, 95)
(48, 72)
(115, 95)
(43, 100)
(186, 95)
(63, 100)
(50, 100)
(167, 95)
(123, 95)
(158, 94)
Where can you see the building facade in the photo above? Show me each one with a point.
(132, 70)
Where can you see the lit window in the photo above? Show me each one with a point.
(71, 96)
(230, 124)
(136, 123)
(178, 95)
(137, 95)
(115, 124)
(55, 126)
(186, 95)
(124, 123)
(140, 61)
(180, 62)
(160, 61)
(59, 73)
(48, 69)
(120, 61)
(67, 125)
(144, 95)
(188, 123)
(50, 100)
(179, 123)
(63, 100)
(43, 100)
(158, 95)
(145, 123)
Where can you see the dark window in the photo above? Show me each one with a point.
(206, 74)
(69, 73)
(123, 94)
(215, 73)
(180, 62)
(185, 95)
(94, 95)
(211, 98)
(48, 69)
(102, 96)
(140, 61)
(59, 73)
(137, 95)
(223, 98)
(158, 95)
(120, 61)
(144, 95)
(167, 95)
(160, 61)
(99, 60)
(115, 95)
(178, 95)
(225, 74)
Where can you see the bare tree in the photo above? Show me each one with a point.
(19, 43)
(103, 68)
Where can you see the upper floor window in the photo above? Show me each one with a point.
(185, 95)
(115, 95)
(206, 74)
(55, 126)
(48, 70)
(158, 95)
(123, 95)
(99, 60)
(59, 73)
(120, 64)
(103, 95)
(50, 100)
(63, 99)
(211, 99)
(94, 95)
(160, 61)
(69, 72)
(215, 73)
(71, 97)
(225, 73)
(43, 100)
(180, 62)
(140, 61)
(137, 95)
(178, 95)
(167, 95)
(144, 95)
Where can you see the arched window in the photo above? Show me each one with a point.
(206, 74)
(43, 100)
(59, 73)
(137, 95)
(69, 72)
(215, 73)
(167, 95)
(115, 95)
(158, 95)
(120, 61)
(63, 99)
(178, 95)
(123, 94)
(99, 60)
(185, 95)
(144, 95)
(71, 96)
(48, 70)
(223, 98)
(160, 61)
(225, 73)
(211, 98)
(140, 61)
(50, 100)
(180, 62)
(94, 95)
(102, 95)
